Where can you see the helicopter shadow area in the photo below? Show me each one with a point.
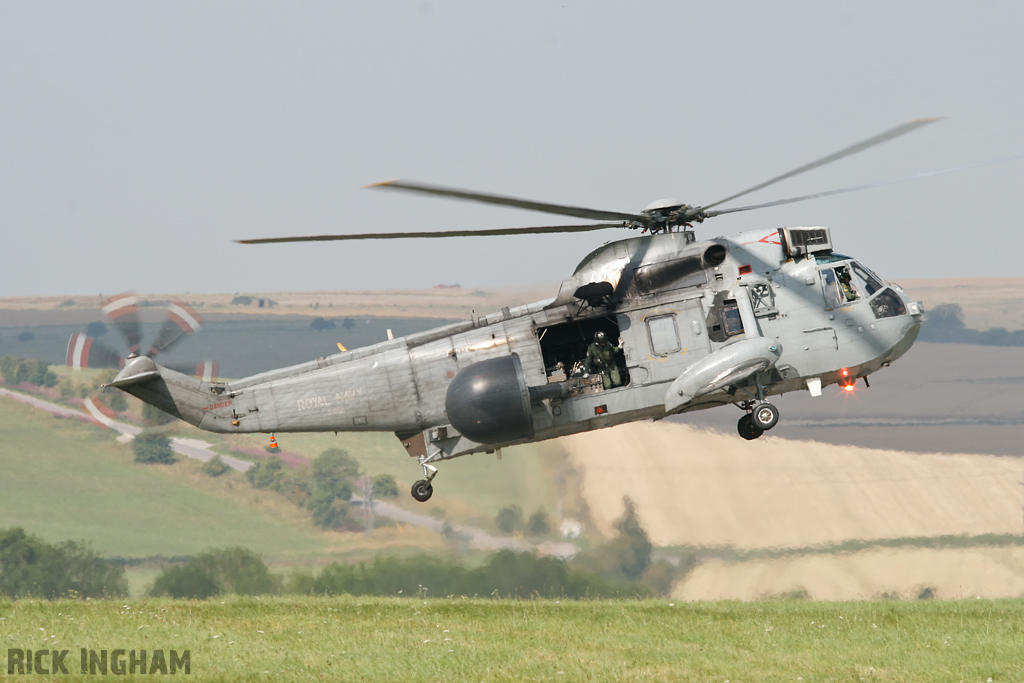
(939, 398)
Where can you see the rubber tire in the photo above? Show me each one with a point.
(422, 490)
(747, 429)
(763, 411)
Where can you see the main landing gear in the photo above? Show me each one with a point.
(760, 417)
(422, 490)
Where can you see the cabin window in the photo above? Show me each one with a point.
(888, 304)
(731, 318)
(664, 335)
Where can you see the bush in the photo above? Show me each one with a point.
(509, 519)
(333, 467)
(538, 524)
(190, 581)
(385, 486)
(945, 323)
(153, 448)
(321, 324)
(230, 570)
(300, 581)
(31, 567)
(214, 467)
(114, 399)
(505, 574)
(17, 370)
(329, 512)
(267, 474)
(626, 556)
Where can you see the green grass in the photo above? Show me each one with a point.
(65, 479)
(458, 639)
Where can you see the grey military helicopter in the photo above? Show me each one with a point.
(699, 324)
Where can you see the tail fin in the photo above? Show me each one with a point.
(174, 393)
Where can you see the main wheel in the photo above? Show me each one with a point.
(422, 490)
(747, 429)
(765, 416)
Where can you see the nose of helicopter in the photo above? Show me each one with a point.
(910, 329)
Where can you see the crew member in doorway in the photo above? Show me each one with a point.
(601, 358)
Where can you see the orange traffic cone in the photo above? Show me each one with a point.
(273, 445)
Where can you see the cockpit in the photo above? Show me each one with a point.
(845, 282)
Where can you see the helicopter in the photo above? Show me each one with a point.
(687, 325)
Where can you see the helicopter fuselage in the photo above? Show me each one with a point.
(696, 325)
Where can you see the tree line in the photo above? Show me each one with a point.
(945, 324)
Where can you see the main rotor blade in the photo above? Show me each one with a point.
(544, 207)
(441, 233)
(902, 129)
(855, 188)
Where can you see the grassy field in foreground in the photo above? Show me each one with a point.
(409, 639)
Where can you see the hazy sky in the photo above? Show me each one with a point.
(138, 139)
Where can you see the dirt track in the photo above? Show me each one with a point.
(697, 487)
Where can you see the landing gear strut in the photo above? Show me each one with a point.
(422, 490)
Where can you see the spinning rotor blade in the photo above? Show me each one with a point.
(86, 352)
(902, 129)
(122, 312)
(501, 200)
(441, 233)
(855, 188)
(181, 321)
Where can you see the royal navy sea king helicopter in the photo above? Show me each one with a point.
(694, 324)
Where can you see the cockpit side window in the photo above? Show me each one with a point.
(838, 287)
(866, 279)
(830, 288)
(846, 286)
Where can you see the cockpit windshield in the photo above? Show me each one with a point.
(867, 280)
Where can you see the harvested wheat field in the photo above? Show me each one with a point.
(696, 487)
(700, 488)
(949, 573)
